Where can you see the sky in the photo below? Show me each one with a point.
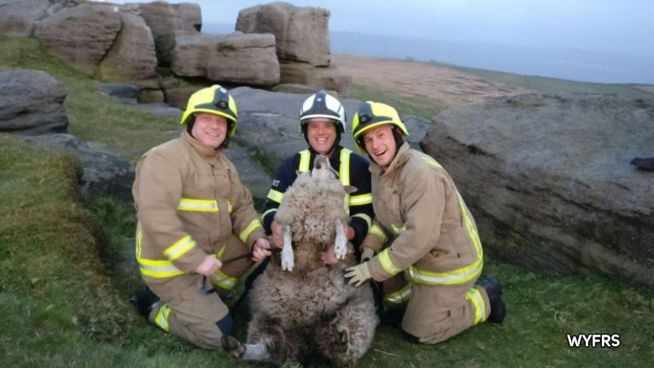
(623, 27)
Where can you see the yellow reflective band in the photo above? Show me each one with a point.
(378, 232)
(220, 252)
(459, 276)
(474, 296)
(400, 296)
(361, 199)
(430, 160)
(139, 239)
(387, 263)
(229, 207)
(223, 281)
(470, 227)
(161, 319)
(263, 216)
(181, 247)
(197, 205)
(344, 174)
(275, 196)
(397, 230)
(249, 230)
(365, 218)
(158, 268)
(305, 161)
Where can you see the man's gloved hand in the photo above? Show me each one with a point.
(357, 275)
(367, 254)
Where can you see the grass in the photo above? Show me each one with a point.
(93, 116)
(68, 270)
(417, 105)
(556, 86)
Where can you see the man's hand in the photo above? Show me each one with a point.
(367, 254)
(357, 275)
(277, 239)
(260, 249)
(209, 265)
(349, 232)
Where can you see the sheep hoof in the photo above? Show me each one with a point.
(340, 247)
(233, 346)
(287, 260)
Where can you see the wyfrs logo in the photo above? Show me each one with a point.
(596, 340)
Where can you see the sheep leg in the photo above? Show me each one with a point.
(340, 243)
(288, 261)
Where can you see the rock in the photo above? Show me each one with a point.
(147, 96)
(178, 97)
(329, 78)
(162, 109)
(132, 55)
(81, 35)
(126, 93)
(251, 173)
(104, 173)
(269, 124)
(236, 58)
(301, 33)
(188, 17)
(31, 102)
(17, 17)
(299, 88)
(547, 181)
(643, 163)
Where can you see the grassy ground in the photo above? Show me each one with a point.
(411, 105)
(68, 271)
(551, 85)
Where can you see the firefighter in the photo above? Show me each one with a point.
(193, 211)
(430, 255)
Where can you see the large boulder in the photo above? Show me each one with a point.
(81, 35)
(31, 102)
(132, 55)
(17, 17)
(329, 78)
(549, 182)
(269, 124)
(301, 33)
(236, 58)
(104, 173)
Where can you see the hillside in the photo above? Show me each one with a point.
(68, 268)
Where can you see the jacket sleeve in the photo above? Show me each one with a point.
(284, 178)
(423, 201)
(157, 192)
(376, 238)
(245, 221)
(361, 212)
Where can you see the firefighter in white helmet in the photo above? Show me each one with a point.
(194, 212)
(429, 253)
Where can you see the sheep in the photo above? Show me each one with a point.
(299, 305)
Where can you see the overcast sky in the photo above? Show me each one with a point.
(623, 26)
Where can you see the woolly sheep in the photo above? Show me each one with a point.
(300, 305)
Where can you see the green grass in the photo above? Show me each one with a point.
(68, 270)
(93, 116)
(553, 86)
(417, 105)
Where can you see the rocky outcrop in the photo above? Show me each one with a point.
(549, 182)
(132, 56)
(329, 78)
(301, 33)
(81, 35)
(236, 58)
(17, 17)
(31, 102)
(164, 18)
(103, 173)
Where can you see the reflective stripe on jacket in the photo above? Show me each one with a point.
(434, 237)
(189, 200)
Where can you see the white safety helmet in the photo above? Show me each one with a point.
(322, 105)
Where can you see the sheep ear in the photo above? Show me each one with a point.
(350, 188)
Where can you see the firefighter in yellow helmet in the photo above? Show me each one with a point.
(194, 212)
(429, 253)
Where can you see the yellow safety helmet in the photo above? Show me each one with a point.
(214, 100)
(372, 114)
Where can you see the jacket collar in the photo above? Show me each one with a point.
(201, 149)
(398, 162)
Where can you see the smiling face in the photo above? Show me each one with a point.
(209, 129)
(380, 144)
(321, 133)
